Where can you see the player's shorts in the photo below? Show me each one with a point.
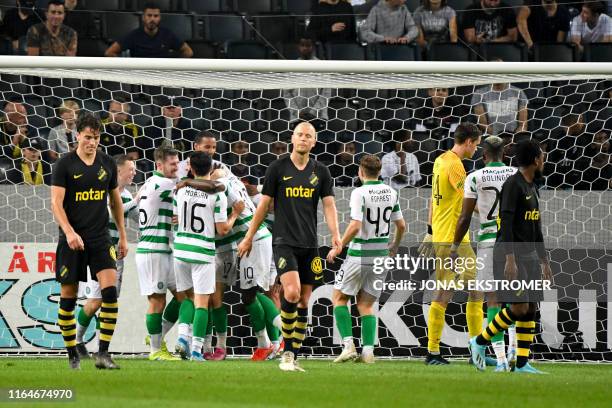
(254, 270)
(485, 254)
(353, 277)
(529, 270)
(71, 266)
(155, 273)
(199, 276)
(225, 268)
(465, 272)
(305, 261)
(91, 289)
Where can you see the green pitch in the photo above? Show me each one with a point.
(242, 383)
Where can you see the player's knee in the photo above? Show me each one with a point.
(292, 294)
(248, 295)
(365, 309)
(339, 298)
(92, 306)
(109, 294)
(520, 310)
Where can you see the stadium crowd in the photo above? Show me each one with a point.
(408, 129)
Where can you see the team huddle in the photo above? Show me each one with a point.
(202, 231)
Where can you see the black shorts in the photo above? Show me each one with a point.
(71, 266)
(529, 270)
(305, 261)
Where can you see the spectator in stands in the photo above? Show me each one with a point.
(53, 37)
(543, 21)
(437, 117)
(595, 164)
(279, 148)
(437, 22)
(344, 169)
(152, 40)
(119, 133)
(400, 168)
(489, 21)
(333, 21)
(13, 130)
(62, 138)
(31, 169)
(307, 103)
(171, 127)
(592, 25)
(568, 145)
(80, 19)
(500, 108)
(389, 22)
(17, 21)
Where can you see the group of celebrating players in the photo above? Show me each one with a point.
(203, 230)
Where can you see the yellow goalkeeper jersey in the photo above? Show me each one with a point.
(447, 196)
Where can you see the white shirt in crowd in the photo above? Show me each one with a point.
(391, 167)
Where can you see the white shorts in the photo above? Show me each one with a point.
(485, 254)
(254, 270)
(199, 276)
(91, 288)
(225, 267)
(155, 273)
(353, 277)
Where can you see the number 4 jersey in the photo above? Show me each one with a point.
(375, 205)
(485, 186)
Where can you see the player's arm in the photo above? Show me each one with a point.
(463, 223)
(208, 186)
(331, 216)
(75, 242)
(113, 51)
(400, 229)
(541, 250)
(510, 197)
(224, 227)
(351, 230)
(244, 248)
(117, 209)
(426, 249)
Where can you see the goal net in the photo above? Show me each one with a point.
(357, 108)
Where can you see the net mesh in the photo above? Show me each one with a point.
(253, 115)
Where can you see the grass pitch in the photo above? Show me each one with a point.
(242, 383)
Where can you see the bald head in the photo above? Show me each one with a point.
(304, 138)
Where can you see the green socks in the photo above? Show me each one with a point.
(368, 330)
(171, 312)
(200, 322)
(256, 312)
(219, 316)
(343, 321)
(154, 323)
(186, 312)
(270, 312)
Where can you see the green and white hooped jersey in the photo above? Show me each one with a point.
(375, 205)
(155, 215)
(129, 205)
(197, 213)
(485, 186)
(269, 220)
(235, 191)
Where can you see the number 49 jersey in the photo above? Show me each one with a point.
(485, 186)
(375, 205)
(197, 213)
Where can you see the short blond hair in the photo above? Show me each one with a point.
(69, 105)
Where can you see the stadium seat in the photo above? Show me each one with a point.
(203, 6)
(275, 28)
(117, 25)
(88, 47)
(555, 52)
(598, 52)
(297, 7)
(345, 51)
(164, 5)
(102, 5)
(386, 52)
(246, 50)
(287, 50)
(223, 27)
(182, 25)
(412, 5)
(253, 6)
(449, 52)
(509, 52)
(203, 49)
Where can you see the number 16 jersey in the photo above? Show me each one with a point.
(375, 205)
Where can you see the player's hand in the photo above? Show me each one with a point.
(238, 207)
(181, 184)
(122, 249)
(332, 254)
(547, 272)
(75, 242)
(338, 27)
(426, 249)
(510, 270)
(393, 250)
(174, 219)
(244, 247)
(217, 174)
